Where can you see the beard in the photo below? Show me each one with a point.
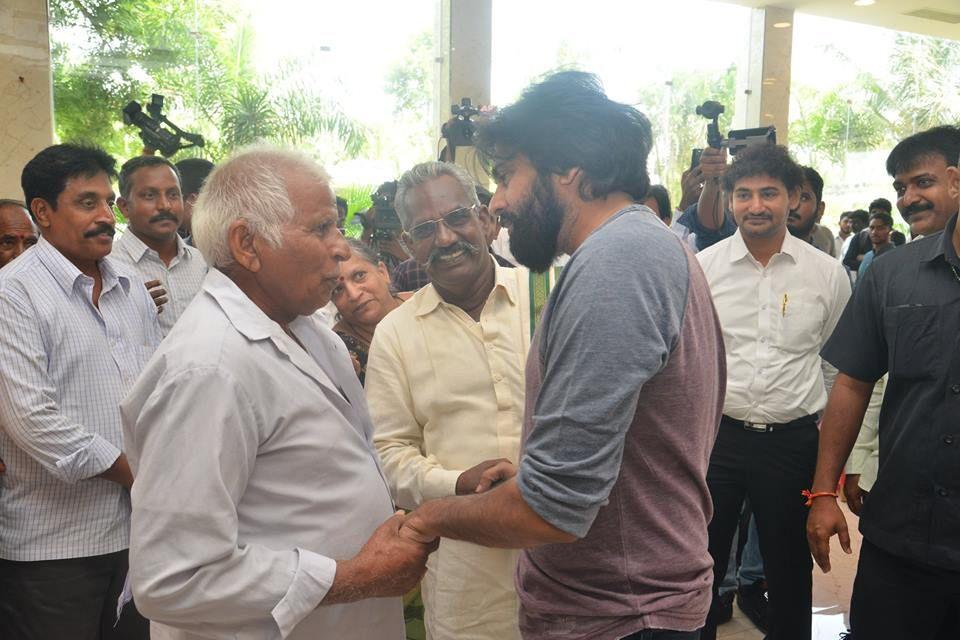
(804, 231)
(535, 227)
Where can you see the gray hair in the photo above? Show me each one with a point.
(251, 186)
(425, 172)
(362, 251)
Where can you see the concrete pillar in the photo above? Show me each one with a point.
(466, 34)
(763, 84)
(26, 93)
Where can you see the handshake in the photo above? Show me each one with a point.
(394, 559)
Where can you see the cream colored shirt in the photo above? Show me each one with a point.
(447, 393)
(775, 320)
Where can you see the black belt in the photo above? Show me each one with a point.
(768, 428)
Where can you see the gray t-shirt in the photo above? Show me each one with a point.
(625, 386)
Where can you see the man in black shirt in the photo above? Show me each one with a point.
(904, 318)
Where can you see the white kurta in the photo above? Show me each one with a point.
(447, 393)
(255, 470)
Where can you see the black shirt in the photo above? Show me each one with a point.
(904, 318)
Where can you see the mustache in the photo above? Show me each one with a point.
(164, 215)
(916, 207)
(440, 252)
(99, 229)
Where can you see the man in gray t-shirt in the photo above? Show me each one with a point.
(624, 383)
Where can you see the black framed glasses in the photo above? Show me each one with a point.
(456, 219)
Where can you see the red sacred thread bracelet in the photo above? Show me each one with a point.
(806, 493)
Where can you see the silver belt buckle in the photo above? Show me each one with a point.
(755, 426)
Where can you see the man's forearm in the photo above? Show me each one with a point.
(841, 424)
(710, 206)
(499, 518)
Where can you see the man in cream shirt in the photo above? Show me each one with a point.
(259, 508)
(445, 386)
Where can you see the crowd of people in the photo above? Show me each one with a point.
(234, 422)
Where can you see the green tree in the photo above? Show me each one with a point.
(677, 128)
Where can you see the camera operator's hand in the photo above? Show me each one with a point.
(158, 293)
(691, 184)
(713, 162)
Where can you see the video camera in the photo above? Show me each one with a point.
(152, 132)
(386, 222)
(737, 139)
(459, 130)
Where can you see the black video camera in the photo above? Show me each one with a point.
(386, 222)
(153, 133)
(737, 139)
(459, 130)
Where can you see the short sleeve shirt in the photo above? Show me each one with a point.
(904, 318)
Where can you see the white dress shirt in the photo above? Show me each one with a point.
(64, 367)
(775, 319)
(181, 278)
(446, 393)
(255, 470)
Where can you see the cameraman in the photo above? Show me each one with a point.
(382, 228)
(707, 218)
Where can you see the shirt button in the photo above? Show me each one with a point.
(955, 389)
(943, 492)
(498, 378)
(947, 439)
(763, 341)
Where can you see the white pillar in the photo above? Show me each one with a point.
(26, 93)
(763, 84)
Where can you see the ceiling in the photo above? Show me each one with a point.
(884, 13)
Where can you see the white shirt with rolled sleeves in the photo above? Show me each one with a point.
(181, 279)
(255, 470)
(775, 320)
(65, 364)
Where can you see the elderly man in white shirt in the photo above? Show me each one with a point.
(259, 508)
(75, 331)
(445, 385)
(778, 299)
(151, 200)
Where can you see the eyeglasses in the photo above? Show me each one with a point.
(456, 219)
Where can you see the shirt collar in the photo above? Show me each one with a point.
(945, 247)
(66, 273)
(739, 251)
(429, 300)
(136, 248)
(243, 314)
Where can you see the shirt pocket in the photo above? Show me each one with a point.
(798, 320)
(914, 350)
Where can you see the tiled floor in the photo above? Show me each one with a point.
(831, 594)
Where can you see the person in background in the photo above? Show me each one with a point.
(844, 232)
(151, 200)
(193, 172)
(881, 223)
(859, 242)
(802, 221)
(778, 299)
(342, 210)
(363, 298)
(658, 200)
(17, 232)
(76, 332)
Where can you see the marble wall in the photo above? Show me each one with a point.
(26, 100)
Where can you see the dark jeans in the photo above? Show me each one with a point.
(663, 634)
(896, 598)
(769, 469)
(75, 599)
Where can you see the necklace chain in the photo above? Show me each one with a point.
(956, 274)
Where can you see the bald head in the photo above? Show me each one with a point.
(17, 232)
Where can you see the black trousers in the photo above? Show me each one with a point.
(896, 598)
(61, 599)
(769, 469)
